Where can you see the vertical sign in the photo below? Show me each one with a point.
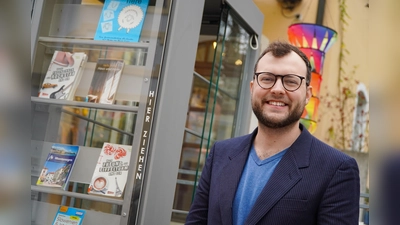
(144, 138)
(142, 154)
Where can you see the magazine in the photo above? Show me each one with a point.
(111, 171)
(106, 77)
(121, 20)
(58, 166)
(63, 75)
(69, 216)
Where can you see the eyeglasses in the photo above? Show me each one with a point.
(290, 82)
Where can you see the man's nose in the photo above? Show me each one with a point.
(278, 86)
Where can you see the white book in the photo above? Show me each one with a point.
(63, 75)
(111, 171)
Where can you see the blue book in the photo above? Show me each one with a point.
(121, 20)
(68, 215)
(58, 166)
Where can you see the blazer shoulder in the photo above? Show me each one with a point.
(323, 150)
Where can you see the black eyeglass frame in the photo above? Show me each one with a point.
(281, 76)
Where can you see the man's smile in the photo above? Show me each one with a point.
(276, 103)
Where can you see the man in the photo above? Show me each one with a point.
(280, 174)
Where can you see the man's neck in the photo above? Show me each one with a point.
(270, 141)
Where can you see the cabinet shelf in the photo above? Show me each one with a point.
(57, 191)
(73, 41)
(122, 108)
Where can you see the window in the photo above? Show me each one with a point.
(361, 120)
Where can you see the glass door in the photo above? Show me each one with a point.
(217, 87)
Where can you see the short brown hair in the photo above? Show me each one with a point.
(280, 49)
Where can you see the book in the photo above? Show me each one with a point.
(121, 20)
(111, 171)
(106, 77)
(69, 216)
(58, 166)
(63, 75)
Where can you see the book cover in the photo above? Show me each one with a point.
(106, 77)
(111, 171)
(63, 75)
(58, 166)
(121, 20)
(69, 216)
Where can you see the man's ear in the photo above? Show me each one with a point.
(308, 94)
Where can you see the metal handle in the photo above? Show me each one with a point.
(254, 47)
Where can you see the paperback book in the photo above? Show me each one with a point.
(106, 77)
(121, 20)
(63, 75)
(58, 166)
(69, 216)
(111, 171)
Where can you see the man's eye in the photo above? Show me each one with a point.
(267, 79)
(291, 82)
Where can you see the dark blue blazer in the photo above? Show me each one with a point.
(312, 184)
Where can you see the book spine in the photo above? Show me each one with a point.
(78, 75)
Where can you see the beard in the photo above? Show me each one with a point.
(293, 117)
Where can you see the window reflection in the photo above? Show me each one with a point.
(213, 105)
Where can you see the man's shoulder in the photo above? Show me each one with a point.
(323, 149)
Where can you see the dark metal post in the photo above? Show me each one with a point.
(320, 12)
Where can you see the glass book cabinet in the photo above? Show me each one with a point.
(70, 26)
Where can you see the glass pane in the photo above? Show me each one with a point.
(192, 158)
(232, 58)
(86, 127)
(228, 70)
(130, 83)
(213, 105)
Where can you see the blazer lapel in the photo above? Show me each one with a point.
(285, 176)
(232, 172)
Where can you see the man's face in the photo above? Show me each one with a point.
(276, 107)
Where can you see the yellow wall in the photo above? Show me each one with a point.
(384, 70)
